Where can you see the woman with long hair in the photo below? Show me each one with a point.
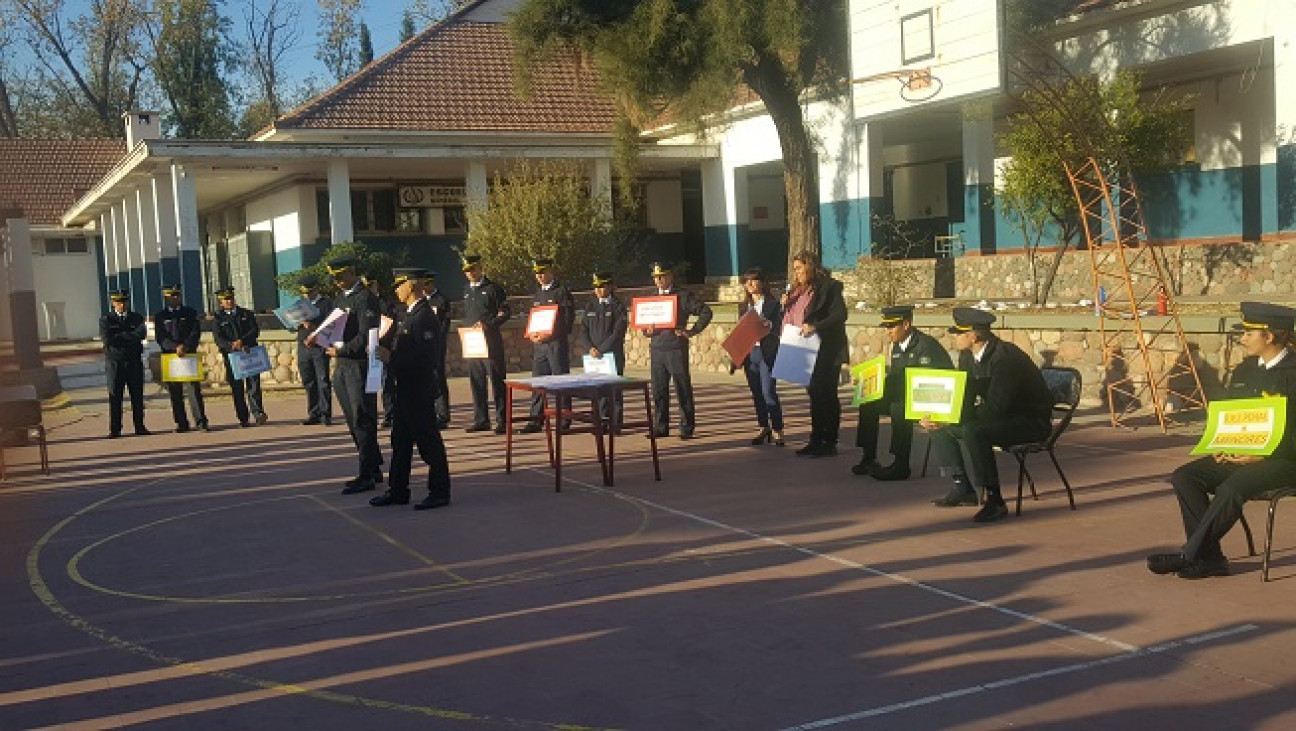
(816, 305)
(759, 363)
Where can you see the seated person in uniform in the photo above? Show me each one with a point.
(1268, 370)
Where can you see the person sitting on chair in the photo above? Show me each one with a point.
(909, 347)
(1268, 370)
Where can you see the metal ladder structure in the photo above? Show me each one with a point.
(1148, 361)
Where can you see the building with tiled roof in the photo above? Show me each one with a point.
(45, 177)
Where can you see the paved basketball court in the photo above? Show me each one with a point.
(206, 581)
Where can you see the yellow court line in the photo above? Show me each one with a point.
(388, 539)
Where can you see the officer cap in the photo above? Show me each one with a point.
(1266, 316)
(119, 295)
(470, 261)
(659, 268)
(970, 318)
(541, 265)
(896, 314)
(225, 293)
(601, 279)
(342, 263)
(171, 290)
(404, 274)
(308, 282)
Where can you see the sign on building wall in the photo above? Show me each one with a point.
(432, 196)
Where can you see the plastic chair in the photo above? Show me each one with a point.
(1272, 497)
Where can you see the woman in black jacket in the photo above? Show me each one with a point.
(817, 306)
(759, 363)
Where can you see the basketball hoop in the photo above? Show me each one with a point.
(918, 85)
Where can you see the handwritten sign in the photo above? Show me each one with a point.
(542, 319)
(935, 393)
(1252, 426)
(655, 312)
(869, 378)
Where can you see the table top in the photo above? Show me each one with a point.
(574, 381)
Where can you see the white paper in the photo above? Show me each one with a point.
(542, 321)
(374, 377)
(605, 365)
(250, 362)
(182, 368)
(295, 314)
(796, 356)
(473, 342)
(387, 323)
(651, 313)
(330, 331)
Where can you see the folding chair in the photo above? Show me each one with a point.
(1064, 384)
(21, 423)
(1272, 497)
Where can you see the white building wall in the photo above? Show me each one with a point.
(279, 213)
(67, 282)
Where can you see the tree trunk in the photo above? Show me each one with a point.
(800, 163)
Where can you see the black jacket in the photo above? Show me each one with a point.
(238, 324)
(557, 294)
(123, 335)
(417, 346)
(364, 312)
(827, 312)
(1005, 383)
(1252, 380)
(924, 352)
(605, 327)
(686, 305)
(772, 311)
(177, 327)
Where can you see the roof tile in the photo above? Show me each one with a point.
(45, 177)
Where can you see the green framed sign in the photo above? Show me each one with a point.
(935, 393)
(1252, 426)
(869, 378)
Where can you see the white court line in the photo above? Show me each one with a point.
(1018, 680)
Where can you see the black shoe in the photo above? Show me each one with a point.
(358, 485)
(892, 472)
(994, 509)
(958, 496)
(442, 424)
(808, 449)
(826, 449)
(431, 503)
(389, 498)
(660, 433)
(328, 421)
(763, 437)
(1167, 563)
(531, 428)
(1204, 569)
(501, 429)
(261, 419)
(385, 424)
(477, 428)
(202, 426)
(866, 467)
(244, 424)
(143, 432)
(686, 435)
(311, 421)
(181, 428)
(114, 434)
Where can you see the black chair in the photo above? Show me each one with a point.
(21, 423)
(1272, 497)
(1064, 384)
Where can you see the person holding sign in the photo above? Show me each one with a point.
(909, 347)
(177, 330)
(236, 330)
(606, 321)
(669, 353)
(486, 308)
(1269, 369)
(758, 366)
(1006, 402)
(551, 350)
(817, 307)
(312, 363)
(122, 333)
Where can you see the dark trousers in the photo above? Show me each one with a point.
(980, 438)
(361, 411)
(246, 393)
(180, 391)
(388, 395)
(548, 359)
(1207, 521)
(672, 365)
(415, 426)
(825, 404)
(442, 403)
(125, 375)
(313, 367)
(480, 371)
(764, 391)
(618, 400)
(866, 434)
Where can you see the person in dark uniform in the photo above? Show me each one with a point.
(909, 347)
(388, 308)
(440, 305)
(486, 307)
(312, 363)
(1269, 369)
(551, 352)
(817, 306)
(351, 364)
(122, 333)
(413, 348)
(1007, 402)
(606, 321)
(669, 354)
(236, 330)
(177, 330)
(758, 366)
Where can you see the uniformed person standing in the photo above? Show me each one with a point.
(122, 333)
(1007, 402)
(606, 321)
(236, 330)
(440, 305)
(669, 351)
(351, 364)
(909, 347)
(177, 330)
(551, 352)
(486, 307)
(412, 350)
(1212, 490)
(312, 363)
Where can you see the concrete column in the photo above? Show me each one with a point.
(978, 181)
(184, 192)
(725, 210)
(601, 183)
(147, 217)
(339, 194)
(164, 223)
(21, 280)
(134, 251)
(109, 251)
(869, 182)
(476, 185)
(121, 266)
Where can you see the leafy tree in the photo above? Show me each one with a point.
(366, 46)
(407, 25)
(427, 12)
(271, 31)
(378, 263)
(190, 55)
(687, 59)
(338, 49)
(545, 210)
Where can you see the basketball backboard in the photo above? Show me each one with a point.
(912, 52)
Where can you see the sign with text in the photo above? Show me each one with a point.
(247, 363)
(181, 368)
(796, 357)
(541, 320)
(472, 340)
(1252, 426)
(654, 312)
(935, 393)
(295, 314)
(869, 378)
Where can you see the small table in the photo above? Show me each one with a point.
(590, 387)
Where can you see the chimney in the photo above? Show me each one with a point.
(141, 126)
